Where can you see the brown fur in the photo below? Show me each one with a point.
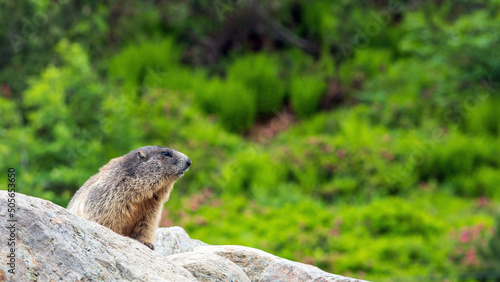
(128, 193)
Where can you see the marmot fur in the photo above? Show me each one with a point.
(128, 193)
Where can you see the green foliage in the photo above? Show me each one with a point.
(250, 171)
(482, 115)
(366, 63)
(464, 43)
(396, 217)
(491, 252)
(230, 101)
(149, 59)
(306, 93)
(260, 74)
(443, 164)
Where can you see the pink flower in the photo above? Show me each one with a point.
(341, 154)
(465, 236)
(483, 201)
(471, 258)
(334, 232)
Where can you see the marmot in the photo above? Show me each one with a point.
(128, 193)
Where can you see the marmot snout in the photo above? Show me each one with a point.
(128, 193)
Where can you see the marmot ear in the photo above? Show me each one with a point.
(141, 155)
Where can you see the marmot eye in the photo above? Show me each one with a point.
(167, 154)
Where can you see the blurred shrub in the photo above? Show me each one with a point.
(490, 252)
(365, 64)
(260, 74)
(347, 26)
(14, 138)
(341, 186)
(252, 169)
(483, 183)
(409, 90)
(306, 93)
(156, 64)
(295, 62)
(135, 62)
(443, 161)
(10, 114)
(319, 21)
(188, 81)
(397, 217)
(463, 43)
(482, 115)
(230, 101)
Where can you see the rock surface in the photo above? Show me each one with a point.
(209, 267)
(53, 244)
(285, 270)
(174, 240)
(252, 261)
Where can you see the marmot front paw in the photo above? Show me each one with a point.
(151, 246)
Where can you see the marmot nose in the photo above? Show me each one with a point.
(188, 162)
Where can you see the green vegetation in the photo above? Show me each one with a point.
(361, 138)
(260, 74)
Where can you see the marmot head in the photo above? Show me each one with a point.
(160, 165)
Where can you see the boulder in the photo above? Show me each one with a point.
(174, 240)
(54, 244)
(209, 267)
(252, 261)
(285, 270)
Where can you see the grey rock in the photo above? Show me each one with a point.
(285, 270)
(252, 261)
(209, 267)
(53, 244)
(174, 240)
